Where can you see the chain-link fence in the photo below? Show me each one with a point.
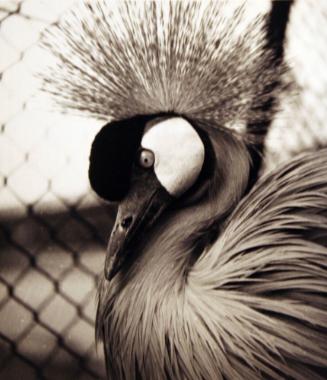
(53, 229)
(51, 226)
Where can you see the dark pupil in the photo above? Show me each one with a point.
(145, 159)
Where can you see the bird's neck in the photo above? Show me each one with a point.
(137, 307)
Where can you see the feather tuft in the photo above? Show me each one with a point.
(115, 60)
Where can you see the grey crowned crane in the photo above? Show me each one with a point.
(210, 273)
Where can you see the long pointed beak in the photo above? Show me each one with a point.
(136, 213)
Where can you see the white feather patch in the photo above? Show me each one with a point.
(179, 153)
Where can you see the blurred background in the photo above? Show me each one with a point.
(53, 229)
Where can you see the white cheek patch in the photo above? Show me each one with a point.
(179, 153)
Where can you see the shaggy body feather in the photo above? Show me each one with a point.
(250, 307)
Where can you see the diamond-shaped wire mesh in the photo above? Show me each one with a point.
(51, 226)
(53, 229)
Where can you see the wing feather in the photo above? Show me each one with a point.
(263, 284)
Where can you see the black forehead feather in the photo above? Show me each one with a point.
(112, 154)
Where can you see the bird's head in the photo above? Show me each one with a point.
(149, 164)
(209, 63)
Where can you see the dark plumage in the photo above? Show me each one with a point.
(204, 277)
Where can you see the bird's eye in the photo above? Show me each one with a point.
(146, 158)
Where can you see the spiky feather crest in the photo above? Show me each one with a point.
(254, 306)
(119, 59)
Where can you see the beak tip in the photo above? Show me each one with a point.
(112, 267)
(110, 273)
